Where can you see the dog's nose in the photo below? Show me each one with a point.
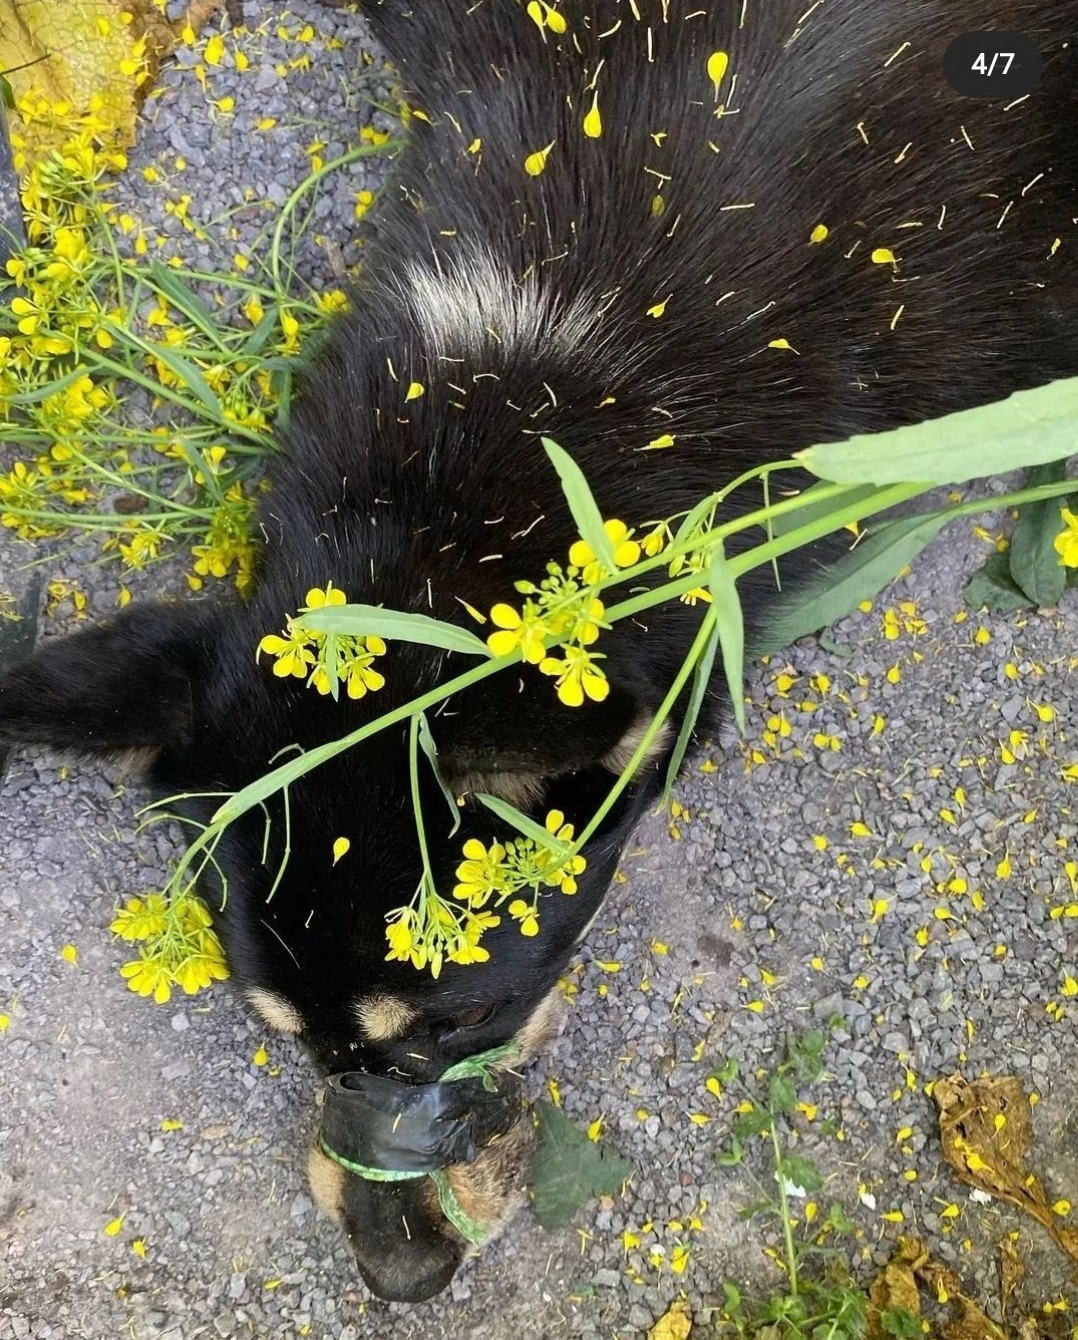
(414, 1274)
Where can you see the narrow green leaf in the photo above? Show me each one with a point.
(187, 372)
(858, 575)
(394, 625)
(700, 681)
(1033, 561)
(992, 587)
(521, 822)
(256, 340)
(582, 504)
(7, 94)
(184, 299)
(814, 508)
(426, 743)
(1028, 428)
(569, 1168)
(730, 622)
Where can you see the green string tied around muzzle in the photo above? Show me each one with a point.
(386, 1130)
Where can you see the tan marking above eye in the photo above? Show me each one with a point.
(383, 1017)
(274, 1010)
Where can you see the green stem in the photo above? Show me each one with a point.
(665, 708)
(784, 1205)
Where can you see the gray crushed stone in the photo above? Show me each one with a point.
(731, 922)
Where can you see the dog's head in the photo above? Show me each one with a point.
(305, 928)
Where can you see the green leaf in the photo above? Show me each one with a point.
(837, 1219)
(582, 504)
(756, 1122)
(857, 575)
(700, 680)
(731, 625)
(801, 1172)
(569, 1168)
(426, 743)
(521, 822)
(815, 508)
(1034, 563)
(731, 1299)
(781, 1094)
(169, 283)
(190, 375)
(256, 340)
(7, 94)
(733, 1156)
(901, 1323)
(728, 1071)
(1028, 428)
(992, 586)
(394, 625)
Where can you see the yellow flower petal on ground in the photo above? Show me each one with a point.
(415, 390)
(340, 848)
(717, 64)
(113, 1226)
(819, 233)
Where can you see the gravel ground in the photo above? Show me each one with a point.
(850, 863)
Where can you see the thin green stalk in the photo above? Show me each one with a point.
(784, 1206)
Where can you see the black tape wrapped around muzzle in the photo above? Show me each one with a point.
(385, 1124)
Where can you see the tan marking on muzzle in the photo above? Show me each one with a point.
(327, 1181)
(383, 1017)
(491, 1189)
(274, 1010)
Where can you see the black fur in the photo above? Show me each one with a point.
(405, 503)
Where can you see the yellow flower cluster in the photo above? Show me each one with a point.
(1066, 542)
(563, 608)
(435, 931)
(325, 659)
(179, 946)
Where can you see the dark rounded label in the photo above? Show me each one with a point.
(993, 65)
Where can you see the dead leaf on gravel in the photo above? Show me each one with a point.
(1011, 1270)
(895, 1289)
(673, 1325)
(985, 1133)
(76, 50)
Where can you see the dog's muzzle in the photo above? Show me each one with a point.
(386, 1129)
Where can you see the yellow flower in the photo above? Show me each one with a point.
(148, 977)
(524, 913)
(578, 676)
(1066, 542)
(481, 873)
(626, 552)
(526, 631)
(291, 652)
(317, 598)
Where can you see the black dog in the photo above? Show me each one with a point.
(652, 273)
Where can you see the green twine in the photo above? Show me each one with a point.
(472, 1067)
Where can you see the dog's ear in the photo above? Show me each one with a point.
(126, 684)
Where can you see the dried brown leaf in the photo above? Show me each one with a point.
(896, 1286)
(1011, 1271)
(985, 1133)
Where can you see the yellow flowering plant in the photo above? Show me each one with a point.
(91, 313)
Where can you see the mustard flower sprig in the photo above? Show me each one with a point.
(325, 660)
(177, 945)
(564, 608)
(431, 932)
